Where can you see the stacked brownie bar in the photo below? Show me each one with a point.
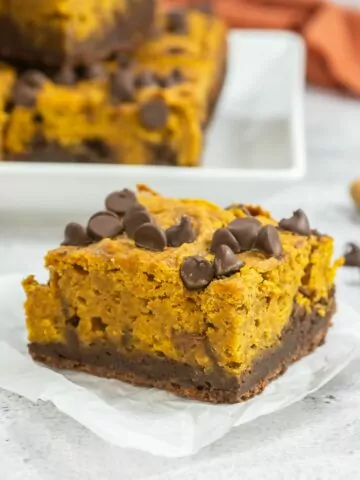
(107, 82)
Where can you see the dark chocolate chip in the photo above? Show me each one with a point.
(352, 256)
(268, 241)
(76, 235)
(196, 272)
(104, 225)
(123, 86)
(174, 78)
(97, 150)
(298, 223)
(154, 114)
(226, 262)
(245, 230)
(34, 78)
(134, 218)
(95, 70)
(145, 79)
(223, 236)
(66, 76)
(120, 202)
(180, 234)
(177, 22)
(150, 237)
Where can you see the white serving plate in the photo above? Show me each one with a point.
(255, 145)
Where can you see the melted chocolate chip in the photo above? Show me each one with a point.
(196, 272)
(177, 22)
(226, 262)
(223, 236)
(76, 235)
(150, 237)
(352, 256)
(154, 114)
(134, 218)
(180, 234)
(268, 241)
(120, 202)
(145, 79)
(298, 223)
(123, 86)
(66, 76)
(104, 225)
(245, 230)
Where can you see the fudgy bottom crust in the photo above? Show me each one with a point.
(303, 334)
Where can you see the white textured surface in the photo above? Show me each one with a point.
(318, 438)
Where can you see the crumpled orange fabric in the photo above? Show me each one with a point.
(331, 32)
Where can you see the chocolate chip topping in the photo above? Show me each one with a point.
(245, 230)
(145, 79)
(268, 241)
(27, 87)
(123, 86)
(196, 272)
(352, 256)
(180, 234)
(134, 218)
(226, 262)
(154, 114)
(177, 22)
(150, 237)
(76, 235)
(66, 76)
(298, 223)
(223, 236)
(120, 202)
(104, 225)
(174, 78)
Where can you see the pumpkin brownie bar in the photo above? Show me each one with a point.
(151, 110)
(182, 295)
(53, 32)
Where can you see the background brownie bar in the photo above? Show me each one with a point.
(208, 303)
(53, 32)
(151, 109)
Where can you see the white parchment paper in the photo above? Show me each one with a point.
(149, 419)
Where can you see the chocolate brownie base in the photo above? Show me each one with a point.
(125, 34)
(304, 333)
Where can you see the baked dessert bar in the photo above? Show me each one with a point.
(53, 32)
(152, 110)
(205, 302)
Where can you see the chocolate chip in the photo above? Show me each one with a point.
(241, 207)
(223, 236)
(34, 78)
(154, 114)
(177, 22)
(226, 262)
(145, 79)
(122, 86)
(163, 154)
(180, 234)
(298, 223)
(150, 237)
(66, 76)
(134, 218)
(196, 272)
(120, 202)
(268, 241)
(104, 225)
(95, 70)
(97, 150)
(245, 230)
(76, 235)
(352, 256)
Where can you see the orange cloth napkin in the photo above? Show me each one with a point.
(331, 32)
